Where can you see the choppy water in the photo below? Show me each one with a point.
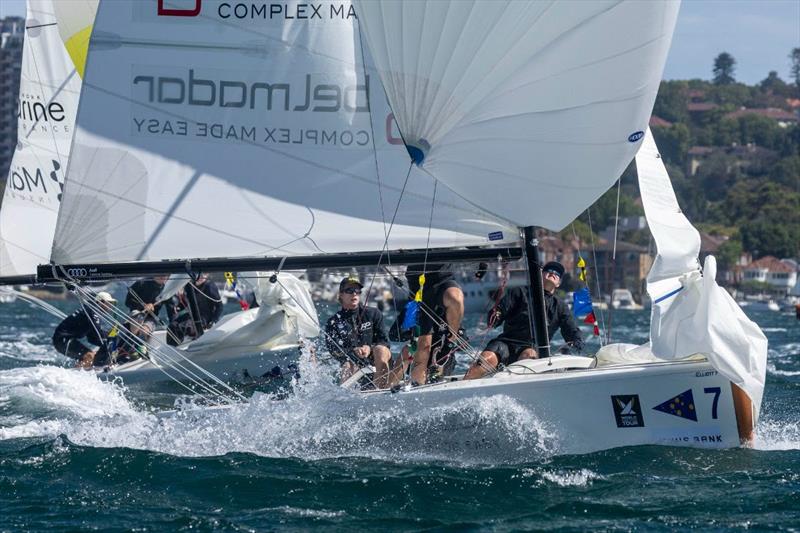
(78, 453)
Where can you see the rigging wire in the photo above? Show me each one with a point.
(597, 277)
(218, 390)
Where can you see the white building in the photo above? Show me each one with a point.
(780, 274)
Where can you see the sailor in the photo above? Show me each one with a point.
(85, 323)
(355, 335)
(209, 307)
(142, 302)
(439, 320)
(517, 340)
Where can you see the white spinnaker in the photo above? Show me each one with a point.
(212, 135)
(48, 100)
(544, 101)
(691, 313)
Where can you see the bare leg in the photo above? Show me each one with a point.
(480, 367)
(87, 360)
(419, 372)
(453, 300)
(399, 368)
(348, 369)
(381, 356)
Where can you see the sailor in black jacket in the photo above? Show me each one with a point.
(517, 340)
(356, 335)
(84, 323)
(209, 305)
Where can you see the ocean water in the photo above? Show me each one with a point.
(79, 453)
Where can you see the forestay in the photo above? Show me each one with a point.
(543, 103)
(228, 131)
(48, 101)
(691, 313)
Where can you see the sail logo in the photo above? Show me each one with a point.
(635, 136)
(37, 111)
(627, 411)
(22, 180)
(164, 11)
(207, 92)
(258, 10)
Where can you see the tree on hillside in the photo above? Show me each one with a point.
(795, 70)
(724, 68)
(773, 84)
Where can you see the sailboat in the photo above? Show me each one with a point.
(54, 57)
(215, 136)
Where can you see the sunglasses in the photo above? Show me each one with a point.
(352, 290)
(553, 272)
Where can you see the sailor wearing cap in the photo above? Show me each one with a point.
(517, 342)
(85, 323)
(355, 335)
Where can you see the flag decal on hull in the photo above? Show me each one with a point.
(681, 405)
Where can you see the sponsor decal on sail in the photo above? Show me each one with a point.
(259, 10)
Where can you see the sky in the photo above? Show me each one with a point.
(759, 34)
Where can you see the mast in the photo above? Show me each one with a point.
(536, 293)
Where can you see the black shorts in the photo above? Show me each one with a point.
(433, 300)
(507, 351)
(72, 348)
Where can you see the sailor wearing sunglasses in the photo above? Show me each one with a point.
(355, 335)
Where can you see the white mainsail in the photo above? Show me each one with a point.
(544, 102)
(244, 132)
(691, 313)
(48, 101)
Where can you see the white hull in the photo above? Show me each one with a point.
(243, 343)
(577, 407)
(225, 366)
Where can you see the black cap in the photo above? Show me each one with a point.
(555, 267)
(349, 280)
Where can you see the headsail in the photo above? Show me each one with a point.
(691, 313)
(244, 132)
(543, 102)
(49, 91)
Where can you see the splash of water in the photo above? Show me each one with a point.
(777, 435)
(317, 420)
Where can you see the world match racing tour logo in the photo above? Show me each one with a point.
(258, 10)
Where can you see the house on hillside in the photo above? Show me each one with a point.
(781, 116)
(745, 155)
(658, 122)
(627, 270)
(554, 248)
(781, 275)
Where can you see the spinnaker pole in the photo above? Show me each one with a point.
(536, 293)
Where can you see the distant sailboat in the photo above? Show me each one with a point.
(212, 139)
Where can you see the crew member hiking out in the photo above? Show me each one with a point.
(209, 306)
(355, 335)
(85, 323)
(516, 342)
(142, 302)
